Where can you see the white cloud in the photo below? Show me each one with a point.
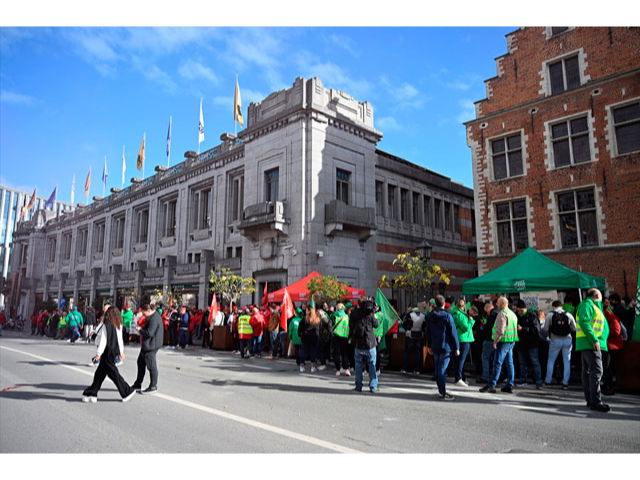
(193, 70)
(17, 98)
(154, 73)
(405, 95)
(345, 43)
(468, 110)
(387, 124)
(333, 76)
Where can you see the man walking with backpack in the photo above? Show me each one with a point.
(558, 327)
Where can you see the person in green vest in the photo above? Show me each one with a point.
(62, 325)
(340, 341)
(245, 332)
(296, 341)
(592, 332)
(464, 328)
(127, 316)
(504, 336)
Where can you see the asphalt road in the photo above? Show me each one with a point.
(215, 402)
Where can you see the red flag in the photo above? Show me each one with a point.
(214, 308)
(125, 303)
(264, 295)
(287, 310)
(171, 301)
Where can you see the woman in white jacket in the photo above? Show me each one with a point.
(109, 346)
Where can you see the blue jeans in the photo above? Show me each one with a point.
(183, 337)
(441, 361)
(75, 334)
(487, 352)
(555, 347)
(256, 345)
(504, 353)
(274, 342)
(532, 355)
(283, 343)
(459, 360)
(362, 355)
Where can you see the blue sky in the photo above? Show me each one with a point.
(70, 96)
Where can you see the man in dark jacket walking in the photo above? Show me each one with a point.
(152, 338)
(362, 324)
(442, 340)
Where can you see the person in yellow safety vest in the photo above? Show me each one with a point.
(340, 341)
(245, 332)
(505, 336)
(592, 332)
(62, 325)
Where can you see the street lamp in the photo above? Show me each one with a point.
(424, 251)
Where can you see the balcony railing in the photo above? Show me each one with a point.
(264, 216)
(339, 216)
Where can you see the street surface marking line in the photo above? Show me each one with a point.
(545, 410)
(229, 416)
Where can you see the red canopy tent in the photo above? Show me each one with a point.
(299, 293)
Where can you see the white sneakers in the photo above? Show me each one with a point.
(461, 383)
(89, 399)
(313, 369)
(301, 369)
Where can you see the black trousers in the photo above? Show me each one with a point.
(147, 360)
(173, 334)
(107, 368)
(591, 376)
(340, 352)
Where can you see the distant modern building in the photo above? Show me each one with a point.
(555, 149)
(11, 203)
(302, 188)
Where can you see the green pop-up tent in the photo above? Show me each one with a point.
(531, 271)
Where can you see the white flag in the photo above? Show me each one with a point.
(124, 166)
(73, 187)
(200, 127)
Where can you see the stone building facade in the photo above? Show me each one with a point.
(555, 152)
(303, 187)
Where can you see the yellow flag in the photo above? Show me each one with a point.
(141, 155)
(237, 109)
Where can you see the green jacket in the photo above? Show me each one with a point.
(126, 318)
(589, 322)
(63, 321)
(341, 326)
(464, 325)
(293, 330)
(75, 319)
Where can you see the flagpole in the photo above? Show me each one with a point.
(123, 167)
(235, 106)
(144, 140)
(169, 144)
(104, 178)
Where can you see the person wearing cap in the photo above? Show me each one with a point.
(529, 338)
(75, 323)
(413, 340)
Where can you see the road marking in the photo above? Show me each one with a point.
(546, 410)
(212, 411)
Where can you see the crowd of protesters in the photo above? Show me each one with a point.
(489, 333)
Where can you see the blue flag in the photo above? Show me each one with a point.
(52, 198)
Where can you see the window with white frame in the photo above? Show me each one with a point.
(626, 121)
(343, 185)
(577, 218)
(511, 223)
(564, 74)
(506, 155)
(200, 208)
(168, 209)
(570, 139)
(558, 30)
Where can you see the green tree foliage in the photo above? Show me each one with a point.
(230, 285)
(415, 275)
(326, 289)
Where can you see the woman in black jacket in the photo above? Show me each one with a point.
(309, 331)
(109, 343)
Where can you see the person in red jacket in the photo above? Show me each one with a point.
(614, 344)
(257, 323)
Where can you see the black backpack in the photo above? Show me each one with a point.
(560, 324)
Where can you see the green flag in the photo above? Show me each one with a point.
(636, 324)
(389, 316)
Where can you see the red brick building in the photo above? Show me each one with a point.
(556, 152)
